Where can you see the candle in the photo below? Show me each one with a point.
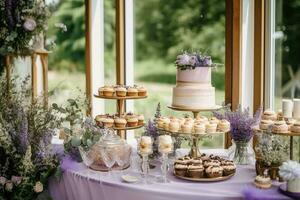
(287, 108)
(296, 109)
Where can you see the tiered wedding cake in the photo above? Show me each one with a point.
(193, 82)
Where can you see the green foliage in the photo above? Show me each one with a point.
(20, 22)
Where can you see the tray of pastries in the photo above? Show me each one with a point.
(206, 168)
(122, 122)
(275, 123)
(122, 92)
(198, 126)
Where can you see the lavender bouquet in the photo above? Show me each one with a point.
(241, 123)
(26, 129)
(192, 60)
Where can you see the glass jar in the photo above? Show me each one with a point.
(115, 143)
(242, 153)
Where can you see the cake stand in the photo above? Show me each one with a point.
(287, 134)
(121, 110)
(194, 152)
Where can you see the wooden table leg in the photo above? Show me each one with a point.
(291, 147)
(33, 76)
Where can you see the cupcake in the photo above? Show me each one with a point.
(199, 128)
(182, 161)
(165, 144)
(201, 119)
(211, 162)
(120, 122)
(290, 122)
(265, 124)
(181, 169)
(228, 169)
(224, 125)
(174, 126)
(196, 161)
(196, 171)
(211, 128)
(280, 115)
(214, 171)
(142, 91)
(186, 127)
(263, 182)
(130, 115)
(280, 127)
(132, 122)
(108, 91)
(214, 120)
(141, 119)
(132, 91)
(269, 115)
(121, 91)
(160, 124)
(101, 91)
(108, 122)
(295, 128)
(99, 119)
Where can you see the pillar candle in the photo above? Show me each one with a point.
(296, 109)
(287, 108)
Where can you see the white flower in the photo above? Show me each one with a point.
(2, 180)
(9, 186)
(29, 24)
(192, 60)
(38, 187)
(16, 179)
(183, 59)
(290, 170)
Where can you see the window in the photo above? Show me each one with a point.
(162, 29)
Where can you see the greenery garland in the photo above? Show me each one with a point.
(21, 21)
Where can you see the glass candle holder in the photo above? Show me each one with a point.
(145, 144)
(165, 147)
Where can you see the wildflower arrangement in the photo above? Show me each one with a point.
(192, 60)
(271, 149)
(26, 129)
(20, 22)
(241, 123)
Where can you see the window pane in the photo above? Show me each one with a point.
(283, 54)
(67, 60)
(163, 28)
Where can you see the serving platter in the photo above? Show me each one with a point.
(223, 178)
(117, 97)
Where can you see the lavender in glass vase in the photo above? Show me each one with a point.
(241, 130)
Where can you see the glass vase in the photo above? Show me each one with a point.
(242, 153)
(145, 167)
(164, 167)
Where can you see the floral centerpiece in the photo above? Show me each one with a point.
(290, 172)
(193, 60)
(26, 129)
(271, 152)
(241, 130)
(20, 22)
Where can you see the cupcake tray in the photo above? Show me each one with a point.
(223, 178)
(189, 134)
(117, 97)
(128, 128)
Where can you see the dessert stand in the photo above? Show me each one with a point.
(194, 152)
(194, 139)
(121, 110)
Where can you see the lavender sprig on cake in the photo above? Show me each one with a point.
(192, 60)
(241, 123)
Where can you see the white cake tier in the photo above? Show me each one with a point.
(197, 75)
(197, 96)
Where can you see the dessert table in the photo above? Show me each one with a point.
(81, 183)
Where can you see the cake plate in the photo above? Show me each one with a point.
(222, 178)
(121, 110)
(287, 134)
(195, 140)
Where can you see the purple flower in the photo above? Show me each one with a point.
(241, 123)
(16, 179)
(193, 60)
(29, 24)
